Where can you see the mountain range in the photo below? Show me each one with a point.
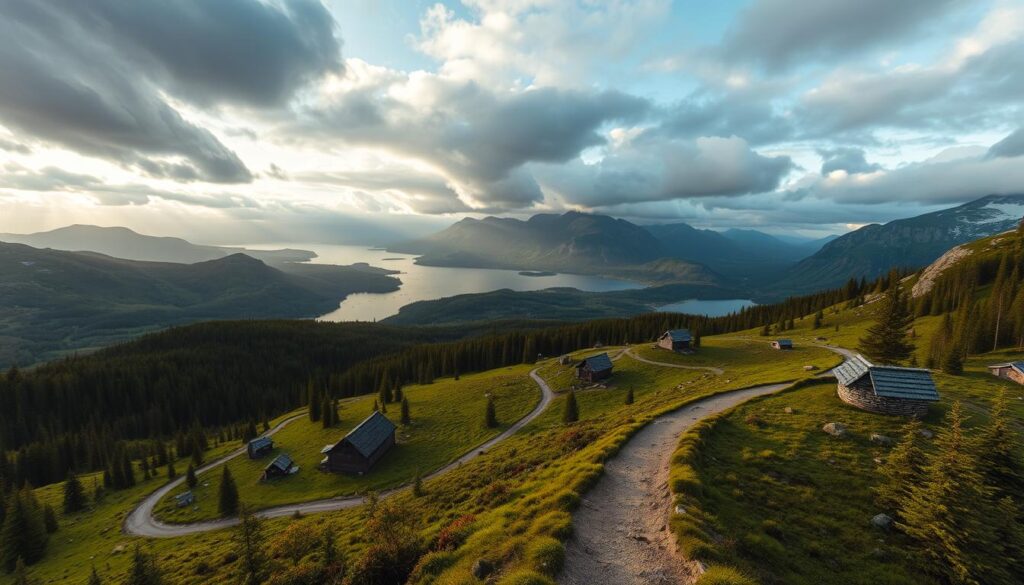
(121, 242)
(54, 301)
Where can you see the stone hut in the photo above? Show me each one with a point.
(362, 447)
(281, 466)
(259, 447)
(782, 344)
(885, 389)
(676, 340)
(595, 368)
(1009, 371)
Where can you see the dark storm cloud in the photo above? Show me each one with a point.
(780, 33)
(242, 51)
(751, 117)
(1012, 145)
(851, 160)
(478, 137)
(90, 76)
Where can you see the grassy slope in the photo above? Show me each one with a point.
(789, 504)
(447, 421)
(539, 474)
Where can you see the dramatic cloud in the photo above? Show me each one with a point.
(653, 168)
(779, 33)
(1012, 145)
(477, 137)
(850, 160)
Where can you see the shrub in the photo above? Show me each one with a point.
(203, 568)
(496, 493)
(546, 555)
(452, 536)
(722, 575)
(556, 523)
(431, 565)
(761, 547)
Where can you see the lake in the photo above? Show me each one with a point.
(424, 283)
(711, 308)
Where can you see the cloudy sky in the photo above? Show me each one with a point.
(367, 120)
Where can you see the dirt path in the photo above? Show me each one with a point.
(141, 522)
(621, 534)
(716, 371)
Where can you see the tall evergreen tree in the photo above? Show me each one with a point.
(50, 519)
(490, 414)
(24, 534)
(571, 413)
(227, 503)
(143, 570)
(903, 470)
(74, 494)
(171, 472)
(998, 450)
(190, 477)
(949, 516)
(315, 402)
(249, 544)
(629, 395)
(405, 412)
(887, 341)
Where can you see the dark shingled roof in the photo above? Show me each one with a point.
(260, 442)
(678, 334)
(851, 370)
(906, 383)
(282, 462)
(370, 434)
(1019, 366)
(597, 363)
(889, 381)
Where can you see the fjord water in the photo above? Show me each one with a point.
(711, 308)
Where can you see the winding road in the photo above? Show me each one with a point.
(620, 531)
(141, 522)
(712, 369)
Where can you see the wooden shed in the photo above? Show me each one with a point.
(1009, 371)
(594, 368)
(782, 344)
(361, 447)
(281, 466)
(885, 389)
(259, 447)
(676, 340)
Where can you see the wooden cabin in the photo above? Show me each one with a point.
(281, 466)
(1009, 371)
(676, 340)
(361, 448)
(594, 368)
(259, 447)
(885, 389)
(185, 499)
(782, 344)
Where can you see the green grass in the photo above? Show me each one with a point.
(447, 421)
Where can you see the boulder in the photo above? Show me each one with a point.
(880, 439)
(810, 368)
(926, 433)
(680, 509)
(789, 410)
(835, 429)
(482, 568)
(883, 521)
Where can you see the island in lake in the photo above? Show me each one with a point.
(537, 273)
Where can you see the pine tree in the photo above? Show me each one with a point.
(171, 473)
(326, 416)
(953, 362)
(74, 495)
(818, 317)
(629, 396)
(405, 412)
(399, 395)
(887, 341)
(766, 330)
(490, 415)
(903, 470)
(571, 413)
(50, 519)
(197, 454)
(315, 403)
(949, 515)
(417, 485)
(24, 533)
(333, 564)
(190, 477)
(997, 450)
(144, 570)
(227, 503)
(249, 544)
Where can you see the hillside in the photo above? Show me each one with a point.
(54, 302)
(573, 242)
(120, 242)
(910, 243)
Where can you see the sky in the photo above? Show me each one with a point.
(369, 121)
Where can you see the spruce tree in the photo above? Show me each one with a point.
(190, 477)
(887, 341)
(405, 412)
(949, 515)
(227, 503)
(197, 454)
(629, 396)
(74, 495)
(249, 545)
(417, 485)
(315, 403)
(326, 417)
(490, 414)
(171, 473)
(953, 362)
(24, 533)
(571, 413)
(144, 570)
(50, 519)
(997, 449)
